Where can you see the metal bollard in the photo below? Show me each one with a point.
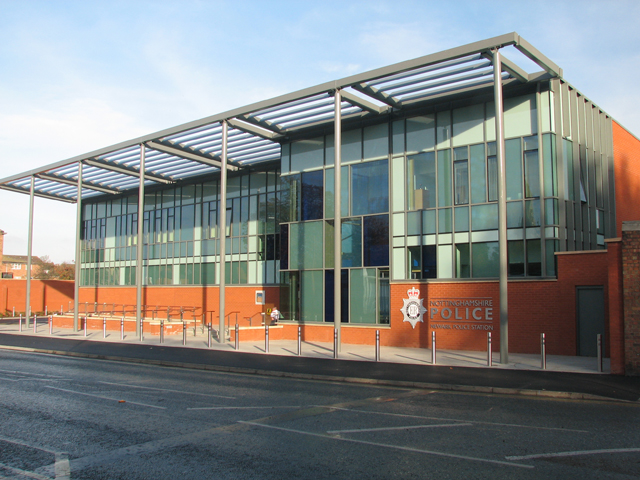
(543, 351)
(335, 343)
(489, 356)
(599, 340)
(51, 325)
(195, 324)
(20, 323)
(85, 326)
(208, 336)
(161, 331)
(266, 338)
(104, 327)
(299, 341)
(142, 330)
(14, 312)
(122, 329)
(237, 337)
(377, 345)
(60, 309)
(35, 324)
(433, 348)
(184, 333)
(46, 313)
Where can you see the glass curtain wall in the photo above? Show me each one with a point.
(307, 274)
(180, 239)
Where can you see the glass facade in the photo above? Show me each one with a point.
(418, 202)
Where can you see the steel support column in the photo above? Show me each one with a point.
(76, 287)
(139, 249)
(502, 207)
(29, 245)
(222, 231)
(337, 216)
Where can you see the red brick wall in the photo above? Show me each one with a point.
(239, 299)
(535, 307)
(616, 306)
(631, 295)
(49, 293)
(626, 157)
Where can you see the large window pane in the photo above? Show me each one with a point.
(461, 219)
(534, 258)
(550, 162)
(531, 174)
(352, 242)
(421, 178)
(351, 146)
(516, 258)
(461, 179)
(513, 158)
(486, 259)
(376, 141)
(363, 296)
(376, 241)
(444, 178)
(463, 266)
(306, 245)
(421, 133)
(478, 174)
(312, 192)
(307, 154)
(484, 217)
(514, 215)
(370, 188)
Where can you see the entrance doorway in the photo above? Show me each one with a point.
(590, 319)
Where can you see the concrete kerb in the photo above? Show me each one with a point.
(332, 378)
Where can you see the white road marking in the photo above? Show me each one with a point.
(15, 372)
(62, 466)
(573, 454)
(410, 427)
(245, 408)
(25, 444)
(24, 473)
(106, 398)
(515, 425)
(167, 390)
(395, 447)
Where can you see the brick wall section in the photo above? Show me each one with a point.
(631, 295)
(49, 293)
(239, 299)
(626, 154)
(535, 307)
(616, 306)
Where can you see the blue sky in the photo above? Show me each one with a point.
(81, 75)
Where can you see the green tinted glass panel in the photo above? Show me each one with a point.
(362, 304)
(444, 178)
(486, 259)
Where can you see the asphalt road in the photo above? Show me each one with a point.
(75, 418)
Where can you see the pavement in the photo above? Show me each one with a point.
(564, 377)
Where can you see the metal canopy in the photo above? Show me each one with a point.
(255, 132)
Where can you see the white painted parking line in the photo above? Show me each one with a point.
(24, 473)
(62, 469)
(25, 444)
(246, 408)
(15, 372)
(573, 454)
(394, 447)
(182, 392)
(513, 425)
(106, 398)
(406, 427)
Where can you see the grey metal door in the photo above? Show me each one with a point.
(590, 319)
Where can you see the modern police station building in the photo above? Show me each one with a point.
(444, 171)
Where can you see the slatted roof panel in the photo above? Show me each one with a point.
(255, 132)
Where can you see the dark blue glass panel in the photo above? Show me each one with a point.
(376, 241)
(312, 191)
